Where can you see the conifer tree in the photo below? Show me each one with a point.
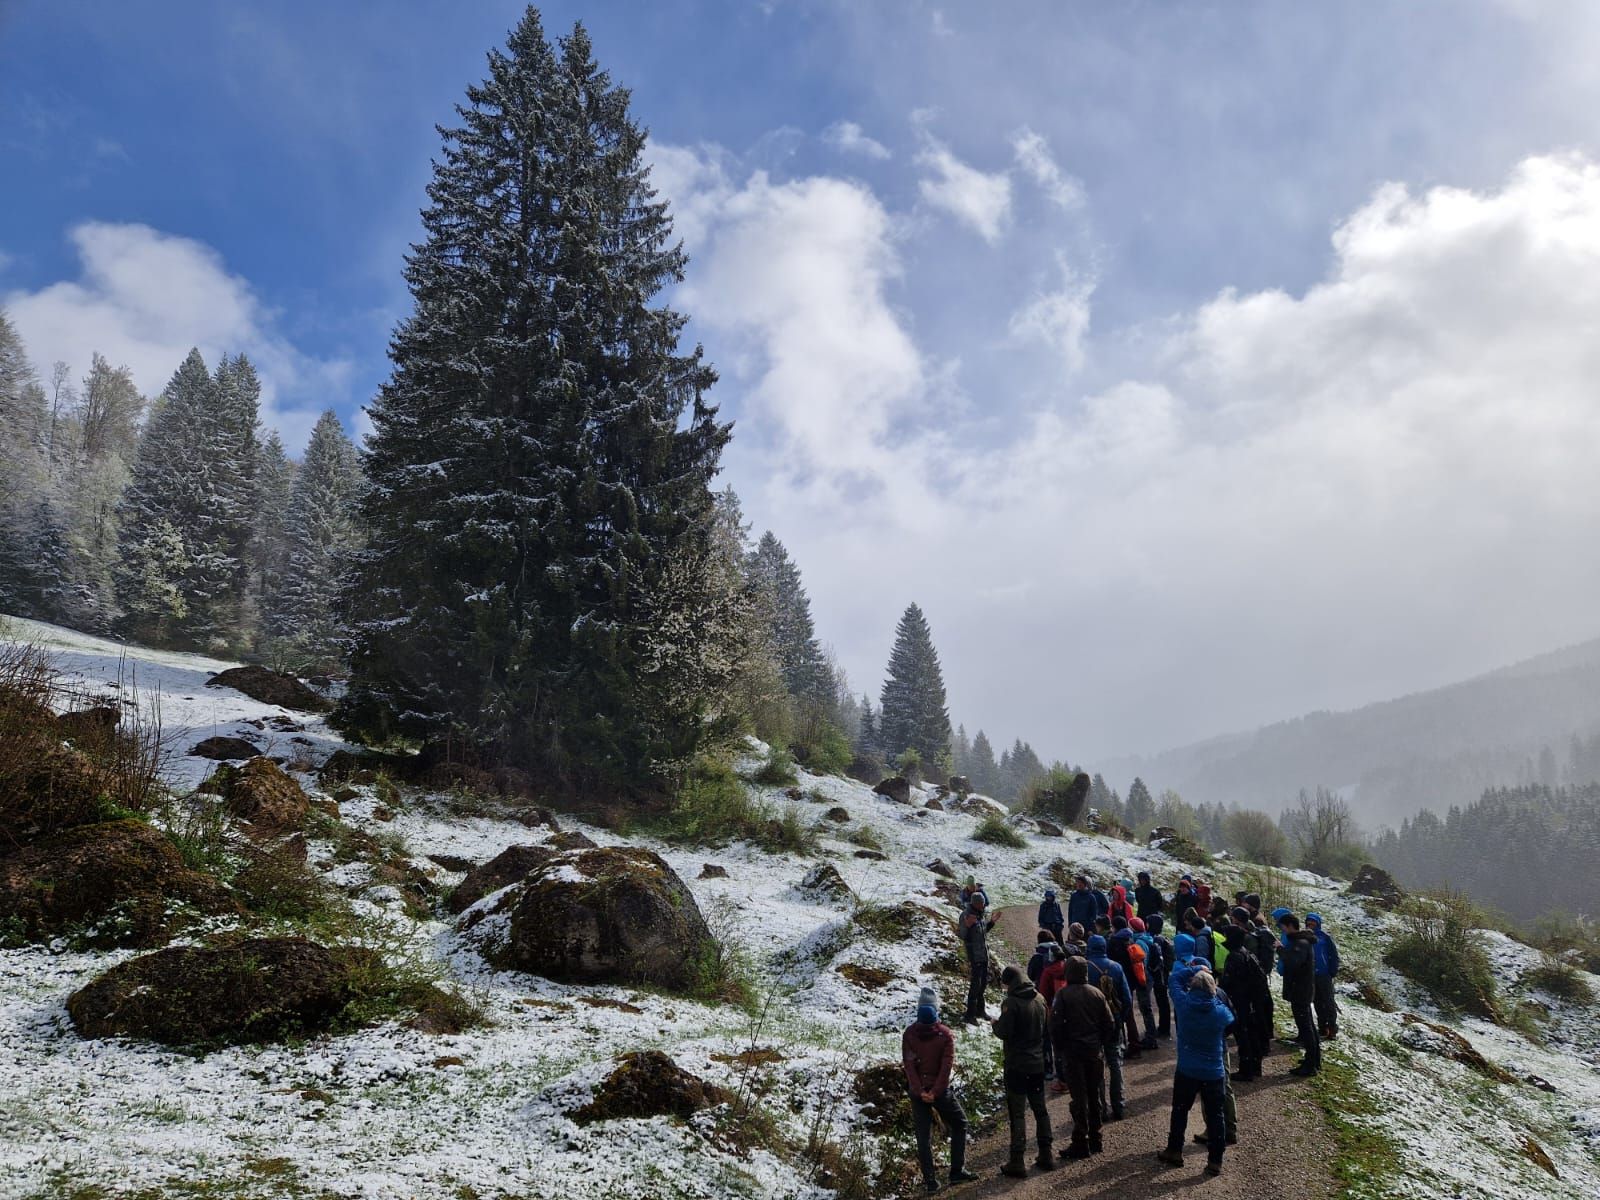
(22, 428)
(1140, 807)
(868, 742)
(42, 584)
(961, 751)
(911, 709)
(542, 452)
(787, 608)
(984, 771)
(271, 549)
(324, 533)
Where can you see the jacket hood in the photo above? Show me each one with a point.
(926, 1032)
(1314, 919)
(1022, 990)
(1183, 947)
(1096, 946)
(1120, 893)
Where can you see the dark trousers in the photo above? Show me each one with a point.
(1083, 1077)
(1163, 1005)
(1149, 1017)
(1327, 1007)
(1022, 1093)
(1213, 1099)
(955, 1120)
(1305, 1027)
(977, 980)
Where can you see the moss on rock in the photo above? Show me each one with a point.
(647, 1083)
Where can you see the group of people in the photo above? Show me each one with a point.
(1100, 968)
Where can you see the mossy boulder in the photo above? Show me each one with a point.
(45, 786)
(896, 788)
(116, 883)
(259, 990)
(504, 869)
(646, 1083)
(611, 915)
(259, 792)
(271, 687)
(1377, 884)
(224, 749)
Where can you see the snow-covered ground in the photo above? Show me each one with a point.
(390, 1112)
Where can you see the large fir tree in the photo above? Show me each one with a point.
(983, 770)
(324, 528)
(783, 600)
(271, 549)
(911, 709)
(539, 501)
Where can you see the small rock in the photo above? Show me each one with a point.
(223, 749)
(712, 871)
(939, 867)
(934, 803)
(260, 793)
(646, 1083)
(794, 794)
(824, 882)
(572, 840)
(896, 788)
(537, 818)
(451, 862)
(380, 813)
(839, 816)
(874, 855)
(1536, 1154)
(1544, 1085)
(1048, 828)
(448, 1060)
(271, 687)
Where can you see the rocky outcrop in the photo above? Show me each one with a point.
(260, 793)
(896, 788)
(224, 749)
(271, 687)
(960, 784)
(510, 865)
(647, 1083)
(117, 883)
(613, 915)
(823, 882)
(1377, 884)
(262, 989)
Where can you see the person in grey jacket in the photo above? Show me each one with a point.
(975, 926)
(1021, 1026)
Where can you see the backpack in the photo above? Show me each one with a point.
(1108, 989)
(1163, 954)
(1206, 947)
(1136, 957)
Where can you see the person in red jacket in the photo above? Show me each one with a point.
(928, 1054)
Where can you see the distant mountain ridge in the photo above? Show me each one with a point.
(1429, 749)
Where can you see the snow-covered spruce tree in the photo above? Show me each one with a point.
(983, 770)
(96, 436)
(787, 609)
(270, 550)
(540, 505)
(324, 520)
(42, 582)
(911, 708)
(192, 478)
(23, 465)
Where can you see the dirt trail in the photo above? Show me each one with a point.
(1283, 1152)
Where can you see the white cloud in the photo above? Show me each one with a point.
(850, 138)
(144, 297)
(1033, 156)
(1058, 319)
(981, 200)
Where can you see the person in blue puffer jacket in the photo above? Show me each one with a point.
(1085, 903)
(1327, 965)
(1203, 1019)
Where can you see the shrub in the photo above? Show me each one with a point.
(777, 770)
(1559, 978)
(994, 830)
(865, 837)
(1254, 836)
(1440, 951)
(786, 833)
(1276, 888)
(825, 750)
(909, 763)
(1566, 935)
(713, 807)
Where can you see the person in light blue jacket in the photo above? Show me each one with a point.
(1203, 1019)
(1323, 997)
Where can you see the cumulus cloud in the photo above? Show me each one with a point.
(974, 197)
(1329, 494)
(850, 138)
(143, 298)
(1033, 155)
(1058, 319)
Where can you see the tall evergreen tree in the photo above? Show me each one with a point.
(911, 709)
(324, 523)
(539, 500)
(1140, 808)
(783, 600)
(983, 770)
(271, 548)
(868, 742)
(22, 429)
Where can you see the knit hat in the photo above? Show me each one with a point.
(1233, 937)
(1188, 878)
(1049, 893)
(1156, 923)
(1096, 946)
(1137, 925)
(1314, 919)
(1241, 915)
(1279, 914)
(928, 997)
(1119, 922)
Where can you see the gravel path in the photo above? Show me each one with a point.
(1283, 1152)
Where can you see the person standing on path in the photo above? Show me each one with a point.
(975, 927)
(1250, 997)
(1050, 915)
(1202, 1020)
(1327, 962)
(1156, 926)
(1021, 1030)
(1100, 958)
(1085, 903)
(928, 1054)
(1108, 977)
(1147, 899)
(1081, 1027)
(1297, 963)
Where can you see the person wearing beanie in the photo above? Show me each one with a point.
(1250, 996)
(1203, 1019)
(928, 1054)
(1050, 915)
(1297, 963)
(1155, 925)
(975, 927)
(1081, 1026)
(1109, 977)
(1147, 899)
(1021, 1030)
(1043, 941)
(1323, 998)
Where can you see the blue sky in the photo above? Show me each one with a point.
(1146, 345)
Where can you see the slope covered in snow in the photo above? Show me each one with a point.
(390, 1111)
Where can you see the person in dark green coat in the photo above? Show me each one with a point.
(1021, 1028)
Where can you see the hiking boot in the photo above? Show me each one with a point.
(961, 1175)
(1170, 1158)
(1330, 1035)
(1046, 1161)
(1096, 1145)
(1150, 1043)
(1213, 1168)
(1015, 1169)
(1116, 1115)
(1074, 1152)
(1244, 1077)
(930, 1186)
(1058, 1088)
(1303, 1071)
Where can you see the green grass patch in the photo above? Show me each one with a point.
(776, 770)
(994, 830)
(1558, 978)
(1363, 1166)
(714, 807)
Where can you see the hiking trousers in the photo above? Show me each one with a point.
(977, 980)
(1024, 1092)
(1112, 1079)
(1084, 1077)
(1149, 1017)
(955, 1120)
(1326, 1005)
(1163, 1006)
(1305, 1027)
(1213, 1097)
